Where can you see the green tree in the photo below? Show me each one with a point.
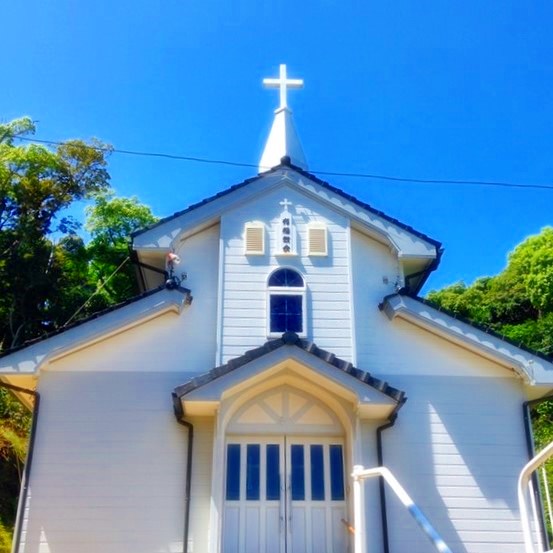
(518, 301)
(532, 261)
(14, 427)
(47, 282)
(110, 222)
(36, 185)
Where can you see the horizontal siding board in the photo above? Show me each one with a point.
(245, 277)
(466, 435)
(99, 482)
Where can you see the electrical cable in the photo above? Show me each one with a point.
(98, 289)
(503, 184)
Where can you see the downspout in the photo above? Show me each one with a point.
(28, 463)
(425, 273)
(526, 406)
(140, 265)
(179, 415)
(381, 486)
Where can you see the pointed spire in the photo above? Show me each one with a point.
(283, 139)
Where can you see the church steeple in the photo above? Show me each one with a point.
(283, 139)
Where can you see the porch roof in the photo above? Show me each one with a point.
(290, 339)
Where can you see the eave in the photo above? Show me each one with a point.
(298, 359)
(28, 359)
(409, 245)
(531, 367)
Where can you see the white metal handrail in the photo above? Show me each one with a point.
(359, 474)
(524, 482)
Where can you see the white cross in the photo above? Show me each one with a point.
(283, 84)
(285, 203)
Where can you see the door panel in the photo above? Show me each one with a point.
(317, 496)
(253, 510)
(284, 495)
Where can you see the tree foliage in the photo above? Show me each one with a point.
(36, 185)
(111, 221)
(45, 281)
(518, 302)
(14, 427)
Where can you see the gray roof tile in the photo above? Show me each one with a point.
(291, 339)
(285, 163)
(167, 285)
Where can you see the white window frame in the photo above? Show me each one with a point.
(286, 291)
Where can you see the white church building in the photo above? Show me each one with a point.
(225, 412)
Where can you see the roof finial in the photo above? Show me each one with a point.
(283, 141)
(283, 83)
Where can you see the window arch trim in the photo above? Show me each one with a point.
(286, 302)
(285, 277)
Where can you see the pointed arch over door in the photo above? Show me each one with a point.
(284, 478)
(285, 410)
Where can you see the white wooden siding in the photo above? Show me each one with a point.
(457, 447)
(109, 465)
(184, 343)
(458, 443)
(244, 316)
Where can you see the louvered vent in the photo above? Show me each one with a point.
(317, 240)
(254, 239)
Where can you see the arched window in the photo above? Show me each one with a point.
(286, 298)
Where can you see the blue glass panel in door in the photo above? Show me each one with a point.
(317, 473)
(233, 471)
(252, 471)
(336, 473)
(298, 479)
(273, 471)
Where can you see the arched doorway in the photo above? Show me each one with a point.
(284, 476)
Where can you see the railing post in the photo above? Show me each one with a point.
(522, 489)
(358, 510)
(539, 539)
(359, 474)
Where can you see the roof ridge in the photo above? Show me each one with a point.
(285, 162)
(291, 339)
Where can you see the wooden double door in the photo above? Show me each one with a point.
(284, 495)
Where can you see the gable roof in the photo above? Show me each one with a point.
(130, 312)
(418, 253)
(286, 164)
(290, 339)
(533, 367)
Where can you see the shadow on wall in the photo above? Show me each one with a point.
(457, 447)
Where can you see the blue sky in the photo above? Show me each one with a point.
(427, 89)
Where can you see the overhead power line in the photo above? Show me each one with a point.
(503, 184)
(100, 286)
